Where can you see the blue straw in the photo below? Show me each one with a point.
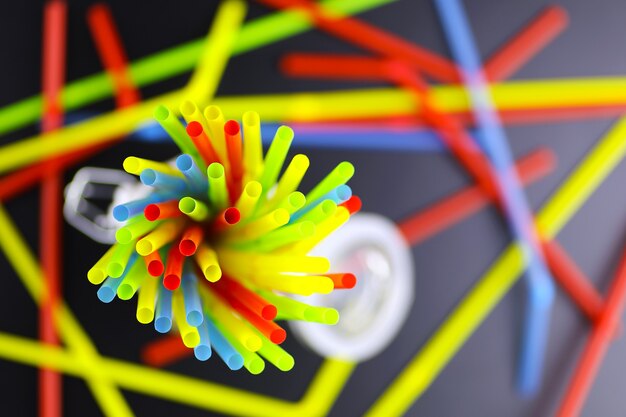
(154, 178)
(202, 352)
(224, 349)
(163, 313)
(196, 178)
(193, 306)
(107, 291)
(494, 141)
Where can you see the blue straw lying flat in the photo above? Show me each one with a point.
(494, 142)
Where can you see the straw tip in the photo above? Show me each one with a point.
(161, 113)
(148, 176)
(231, 127)
(232, 215)
(269, 312)
(213, 113)
(213, 273)
(278, 336)
(144, 247)
(145, 315)
(125, 292)
(171, 282)
(284, 133)
(331, 316)
(96, 276)
(188, 107)
(194, 129)
(184, 162)
(235, 362)
(251, 118)
(115, 269)
(286, 363)
(123, 235)
(151, 212)
(187, 247)
(256, 366)
(121, 213)
(215, 170)
(163, 324)
(155, 268)
(195, 318)
(191, 339)
(254, 189)
(281, 216)
(105, 294)
(202, 352)
(348, 280)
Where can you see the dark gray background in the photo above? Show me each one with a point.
(479, 380)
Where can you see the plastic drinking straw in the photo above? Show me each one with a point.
(231, 324)
(291, 309)
(515, 97)
(338, 176)
(267, 328)
(174, 128)
(163, 314)
(248, 199)
(251, 361)
(290, 180)
(353, 205)
(161, 211)
(283, 236)
(448, 339)
(165, 350)
(596, 346)
(154, 264)
(225, 350)
(146, 300)
(375, 40)
(451, 210)
(232, 136)
(494, 141)
(174, 61)
(98, 272)
(323, 230)
(125, 211)
(215, 121)
(292, 284)
(134, 229)
(275, 157)
(276, 355)
(159, 237)
(193, 306)
(189, 334)
(337, 196)
(111, 53)
(260, 226)
(108, 290)
(218, 194)
(136, 166)
(190, 240)
(132, 280)
(115, 124)
(85, 354)
(202, 142)
(253, 147)
(320, 212)
(225, 219)
(194, 175)
(294, 202)
(207, 261)
(120, 258)
(193, 208)
(53, 74)
(343, 281)
(173, 268)
(157, 179)
(191, 113)
(254, 302)
(203, 351)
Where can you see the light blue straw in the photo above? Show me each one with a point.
(493, 140)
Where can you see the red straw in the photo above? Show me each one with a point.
(111, 52)
(225, 219)
(596, 347)
(173, 268)
(190, 240)
(254, 302)
(232, 134)
(154, 263)
(353, 205)
(203, 143)
(343, 281)
(160, 211)
(165, 351)
(527, 43)
(53, 63)
(459, 206)
(375, 40)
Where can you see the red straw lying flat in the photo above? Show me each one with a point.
(596, 346)
(53, 63)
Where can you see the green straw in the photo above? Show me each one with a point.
(98, 273)
(119, 259)
(275, 157)
(132, 280)
(218, 194)
(193, 208)
(174, 61)
(338, 176)
(139, 227)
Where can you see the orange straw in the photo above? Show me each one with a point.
(154, 263)
(190, 240)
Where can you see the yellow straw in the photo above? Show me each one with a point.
(281, 237)
(207, 260)
(218, 194)
(322, 231)
(251, 360)
(119, 259)
(134, 165)
(193, 208)
(215, 120)
(159, 237)
(119, 123)
(249, 198)
(252, 146)
(132, 280)
(296, 284)
(275, 157)
(135, 228)
(191, 113)
(260, 226)
(293, 202)
(86, 357)
(276, 355)
(321, 212)
(146, 300)
(188, 333)
(98, 273)
(469, 314)
(290, 180)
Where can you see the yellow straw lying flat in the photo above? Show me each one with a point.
(417, 376)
